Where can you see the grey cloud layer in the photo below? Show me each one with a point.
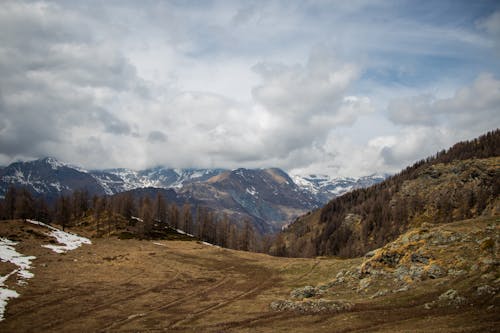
(229, 84)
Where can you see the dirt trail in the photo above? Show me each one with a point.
(144, 286)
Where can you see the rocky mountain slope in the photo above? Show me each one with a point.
(459, 183)
(48, 177)
(268, 195)
(432, 268)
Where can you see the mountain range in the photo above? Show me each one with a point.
(269, 197)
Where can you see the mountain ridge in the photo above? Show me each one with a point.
(458, 183)
(267, 196)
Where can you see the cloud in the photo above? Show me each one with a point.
(473, 107)
(56, 78)
(306, 102)
(491, 25)
(157, 136)
(347, 88)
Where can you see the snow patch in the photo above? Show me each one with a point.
(54, 164)
(68, 240)
(209, 244)
(9, 254)
(5, 295)
(252, 191)
(183, 232)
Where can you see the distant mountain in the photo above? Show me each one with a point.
(48, 177)
(325, 188)
(119, 180)
(268, 197)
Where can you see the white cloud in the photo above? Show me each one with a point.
(236, 84)
(471, 108)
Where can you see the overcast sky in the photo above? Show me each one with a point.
(345, 88)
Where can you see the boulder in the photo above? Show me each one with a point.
(451, 297)
(304, 292)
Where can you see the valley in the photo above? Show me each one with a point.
(117, 285)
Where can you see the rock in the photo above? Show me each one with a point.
(403, 288)
(391, 259)
(457, 272)
(380, 293)
(305, 292)
(401, 272)
(364, 283)
(341, 273)
(429, 305)
(416, 272)
(451, 297)
(486, 290)
(311, 306)
(435, 272)
(419, 258)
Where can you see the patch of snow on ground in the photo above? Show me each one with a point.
(209, 244)
(5, 294)
(69, 241)
(9, 254)
(183, 232)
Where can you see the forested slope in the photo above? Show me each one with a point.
(456, 184)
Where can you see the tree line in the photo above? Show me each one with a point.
(145, 217)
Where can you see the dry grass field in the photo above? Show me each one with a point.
(183, 286)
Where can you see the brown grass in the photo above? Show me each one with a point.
(154, 286)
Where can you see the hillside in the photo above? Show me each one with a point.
(433, 278)
(459, 183)
(267, 195)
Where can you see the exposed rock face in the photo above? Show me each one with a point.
(450, 263)
(418, 255)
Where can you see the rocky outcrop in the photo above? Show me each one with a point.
(311, 306)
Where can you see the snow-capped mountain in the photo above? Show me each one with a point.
(47, 177)
(268, 197)
(325, 188)
(119, 180)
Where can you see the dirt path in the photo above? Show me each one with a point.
(143, 286)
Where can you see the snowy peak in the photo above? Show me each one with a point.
(48, 177)
(250, 187)
(119, 180)
(326, 188)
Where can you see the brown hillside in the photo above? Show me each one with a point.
(460, 183)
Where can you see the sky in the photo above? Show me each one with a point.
(343, 88)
